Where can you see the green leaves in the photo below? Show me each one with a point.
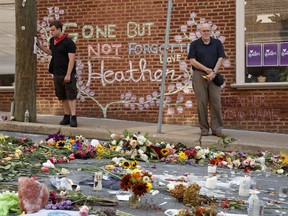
(226, 141)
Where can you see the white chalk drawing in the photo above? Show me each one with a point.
(178, 84)
(183, 84)
(191, 32)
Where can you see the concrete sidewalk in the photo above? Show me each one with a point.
(99, 128)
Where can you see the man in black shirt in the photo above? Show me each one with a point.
(206, 55)
(62, 65)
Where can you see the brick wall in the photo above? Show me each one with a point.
(5, 101)
(113, 26)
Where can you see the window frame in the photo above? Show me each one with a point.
(240, 55)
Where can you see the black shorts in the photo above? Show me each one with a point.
(65, 90)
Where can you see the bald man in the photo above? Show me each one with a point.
(206, 55)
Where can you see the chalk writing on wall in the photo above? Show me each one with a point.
(96, 59)
(99, 69)
(236, 109)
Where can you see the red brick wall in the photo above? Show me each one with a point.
(261, 110)
(5, 101)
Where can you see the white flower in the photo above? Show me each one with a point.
(48, 164)
(236, 163)
(121, 143)
(206, 151)
(157, 144)
(114, 142)
(143, 148)
(50, 141)
(168, 146)
(200, 154)
(140, 151)
(117, 160)
(252, 163)
(113, 135)
(118, 149)
(230, 165)
(261, 160)
(95, 142)
(141, 140)
(280, 171)
(144, 157)
(134, 154)
(146, 179)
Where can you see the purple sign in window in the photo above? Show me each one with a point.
(253, 55)
(283, 54)
(270, 54)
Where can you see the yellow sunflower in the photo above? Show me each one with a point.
(165, 151)
(60, 144)
(68, 146)
(126, 164)
(113, 148)
(134, 163)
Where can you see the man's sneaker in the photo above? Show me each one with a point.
(73, 121)
(65, 120)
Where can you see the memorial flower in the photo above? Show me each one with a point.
(137, 181)
(132, 146)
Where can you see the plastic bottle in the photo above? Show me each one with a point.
(244, 186)
(26, 116)
(253, 205)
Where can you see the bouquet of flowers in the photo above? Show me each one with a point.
(80, 147)
(137, 181)
(132, 145)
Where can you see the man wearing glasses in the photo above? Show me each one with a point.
(206, 55)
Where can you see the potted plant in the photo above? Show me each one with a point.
(283, 77)
(261, 79)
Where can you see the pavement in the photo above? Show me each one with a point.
(101, 128)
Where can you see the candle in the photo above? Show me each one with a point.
(244, 186)
(211, 182)
(211, 169)
(190, 179)
(98, 181)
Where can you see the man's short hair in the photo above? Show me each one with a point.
(57, 24)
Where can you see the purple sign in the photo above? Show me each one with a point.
(283, 54)
(270, 55)
(253, 55)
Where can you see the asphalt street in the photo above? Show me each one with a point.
(266, 184)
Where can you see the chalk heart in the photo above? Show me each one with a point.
(33, 195)
(268, 50)
(251, 51)
(284, 50)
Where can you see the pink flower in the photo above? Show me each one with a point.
(84, 211)
(172, 151)
(133, 143)
(245, 163)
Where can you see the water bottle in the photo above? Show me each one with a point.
(253, 205)
(26, 116)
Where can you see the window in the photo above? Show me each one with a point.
(261, 43)
(7, 42)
